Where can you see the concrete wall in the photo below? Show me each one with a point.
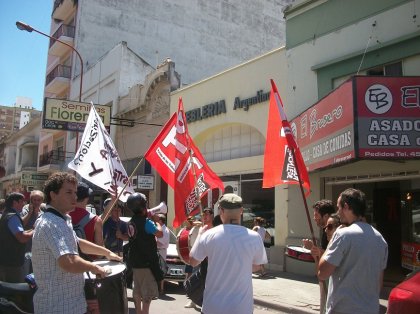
(201, 37)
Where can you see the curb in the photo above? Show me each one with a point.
(283, 308)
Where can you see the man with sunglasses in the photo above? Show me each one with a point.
(355, 259)
(323, 209)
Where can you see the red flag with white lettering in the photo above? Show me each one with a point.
(180, 164)
(279, 164)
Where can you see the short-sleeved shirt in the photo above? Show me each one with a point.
(15, 224)
(109, 232)
(360, 255)
(58, 291)
(232, 250)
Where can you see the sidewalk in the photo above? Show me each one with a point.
(287, 292)
(293, 293)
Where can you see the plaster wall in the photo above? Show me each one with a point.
(302, 89)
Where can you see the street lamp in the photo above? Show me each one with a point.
(25, 27)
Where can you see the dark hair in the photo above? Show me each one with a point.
(13, 197)
(355, 199)
(324, 207)
(336, 219)
(217, 221)
(55, 182)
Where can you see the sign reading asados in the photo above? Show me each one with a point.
(61, 114)
(36, 179)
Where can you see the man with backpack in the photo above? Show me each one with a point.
(87, 226)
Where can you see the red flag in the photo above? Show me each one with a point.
(179, 162)
(279, 165)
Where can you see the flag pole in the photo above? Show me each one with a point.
(322, 282)
(122, 190)
(303, 196)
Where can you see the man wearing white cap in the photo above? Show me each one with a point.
(233, 252)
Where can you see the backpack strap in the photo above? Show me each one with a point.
(85, 220)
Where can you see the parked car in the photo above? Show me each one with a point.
(176, 267)
(405, 297)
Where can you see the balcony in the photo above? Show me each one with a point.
(52, 160)
(64, 33)
(63, 9)
(58, 79)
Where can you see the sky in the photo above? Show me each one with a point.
(23, 55)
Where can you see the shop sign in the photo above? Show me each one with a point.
(388, 111)
(36, 179)
(219, 107)
(145, 182)
(410, 255)
(325, 132)
(67, 115)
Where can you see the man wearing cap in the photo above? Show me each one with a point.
(80, 217)
(115, 231)
(233, 252)
(13, 239)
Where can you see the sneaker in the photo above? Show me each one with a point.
(189, 305)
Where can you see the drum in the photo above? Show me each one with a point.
(110, 291)
(184, 242)
(300, 253)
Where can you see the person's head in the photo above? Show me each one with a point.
(322, 210)
(332, 224)
(137, 203)
(351, 205)
(83, 193)
(36, 198)
(161, 218)
(230, 208)
(60, 191)
(116, 210)
(207, 216)
(259, 221)
(15, 200)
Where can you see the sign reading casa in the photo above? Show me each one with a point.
(60, 114)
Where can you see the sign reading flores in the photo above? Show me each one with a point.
(60, 114)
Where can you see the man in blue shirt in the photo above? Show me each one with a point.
(13, 238)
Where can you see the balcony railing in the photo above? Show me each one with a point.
(63, 30)
(59, 71)
(53, 157)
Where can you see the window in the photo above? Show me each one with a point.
(393, 69)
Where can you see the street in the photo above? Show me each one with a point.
(174, 300)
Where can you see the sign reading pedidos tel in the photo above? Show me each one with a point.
(67, 115)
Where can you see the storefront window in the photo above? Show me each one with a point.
(257, 202)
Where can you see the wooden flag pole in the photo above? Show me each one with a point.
(321, 282)
(128, 181)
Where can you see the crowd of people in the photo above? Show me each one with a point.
(57, 238)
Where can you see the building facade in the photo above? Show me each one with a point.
(333, 56)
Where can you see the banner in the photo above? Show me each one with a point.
(97, 160)
(280, 146)
(180, 164)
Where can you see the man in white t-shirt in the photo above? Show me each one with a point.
(233, 252)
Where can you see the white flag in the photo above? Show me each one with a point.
(97, 159)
